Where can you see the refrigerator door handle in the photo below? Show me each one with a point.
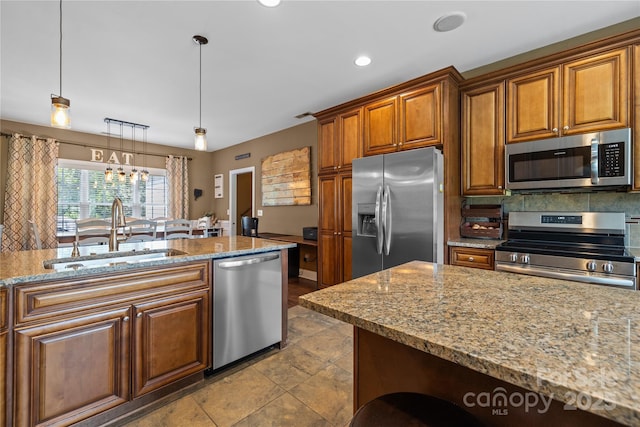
(386, 215)
(379, 231)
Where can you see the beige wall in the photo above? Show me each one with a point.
(78, 148)
(275, 219)
(202, 168)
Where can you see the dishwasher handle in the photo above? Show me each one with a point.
(249, 261)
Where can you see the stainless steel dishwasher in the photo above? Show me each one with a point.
(247, 306)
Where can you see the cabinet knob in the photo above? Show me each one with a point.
(555, 130)
(470, 259)
(339, 166)
(139, 315)
(566, 128)
(395, 145)
(125, 319)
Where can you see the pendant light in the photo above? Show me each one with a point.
(108, 173)
(133, 175)
(60, 105)
(121, 175)
(201, 133)
(144, 174)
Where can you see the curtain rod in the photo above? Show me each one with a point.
(79, 144)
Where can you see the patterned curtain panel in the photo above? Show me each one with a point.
(31, 193)
(178, 183)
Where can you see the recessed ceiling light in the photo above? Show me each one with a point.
(362, 61)
(269, 3)
(449, 21)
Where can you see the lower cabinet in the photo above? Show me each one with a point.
(84, 346)
(171, 340)
(472, 257)
(73, 369)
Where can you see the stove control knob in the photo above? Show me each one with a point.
(524, 259)
(608, 267)
(513, 257)
(592, 266)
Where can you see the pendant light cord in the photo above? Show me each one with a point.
(60, 49)
(200, 44)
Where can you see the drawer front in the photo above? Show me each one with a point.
(40, 300)
(472, 257)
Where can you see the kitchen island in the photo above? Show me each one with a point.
(95, 337)
(511, 349)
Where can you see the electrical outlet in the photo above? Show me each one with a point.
(227, 211)
(259, 212)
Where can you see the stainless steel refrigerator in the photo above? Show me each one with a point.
(397, 210)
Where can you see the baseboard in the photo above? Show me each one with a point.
(308, 274)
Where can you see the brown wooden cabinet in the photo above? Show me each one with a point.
(584, 95)
(72, 369)
(483, 140)
(334, 253)
(410, 120)
(4, 331)
(86, 345)
(636, 114)
(170, 340)
(472, 257)
(339, 141)
(380, 126)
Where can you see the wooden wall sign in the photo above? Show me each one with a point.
(286, 178)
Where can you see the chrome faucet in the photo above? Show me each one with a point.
(117, 220)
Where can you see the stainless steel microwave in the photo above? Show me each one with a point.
(599, 159)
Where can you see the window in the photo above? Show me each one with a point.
(84, 193)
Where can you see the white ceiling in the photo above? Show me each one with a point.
(136, 60)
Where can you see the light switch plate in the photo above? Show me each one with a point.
(259, 212)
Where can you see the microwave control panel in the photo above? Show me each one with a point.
(611, 159)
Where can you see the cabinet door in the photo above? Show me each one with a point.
(532, 105)
(70, 370)
(171, 340)
(636, 126)
(350, 137)
(596, 93)
(421, 117)
(483, 141)
(4, 325)
(327, 145)
(327, 252)
(380, 133)
(345, 230)
(328, 203)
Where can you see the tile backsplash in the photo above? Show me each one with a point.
(629, 203)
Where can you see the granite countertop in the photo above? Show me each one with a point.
(475, 243)
(25, 266)
(559, 338)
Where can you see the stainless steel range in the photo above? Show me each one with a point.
(581, 246)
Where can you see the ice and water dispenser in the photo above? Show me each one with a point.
(367, 220)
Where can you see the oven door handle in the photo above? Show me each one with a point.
(611, 281)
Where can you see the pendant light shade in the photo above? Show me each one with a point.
(60, 117)
(201, 139)
(60, 114)
(201, 133)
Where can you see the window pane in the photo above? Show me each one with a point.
(84, 193)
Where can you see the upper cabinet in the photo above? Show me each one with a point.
(483, 140)
(405, 121)
(339, 141)
(584, 95)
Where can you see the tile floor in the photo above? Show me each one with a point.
(308, 383)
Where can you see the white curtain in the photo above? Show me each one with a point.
(31, 192)
(178, 183)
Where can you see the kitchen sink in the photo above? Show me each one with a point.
(110, 259)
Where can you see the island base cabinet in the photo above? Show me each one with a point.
(58, 381)
(171, 340)
(384, 366)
